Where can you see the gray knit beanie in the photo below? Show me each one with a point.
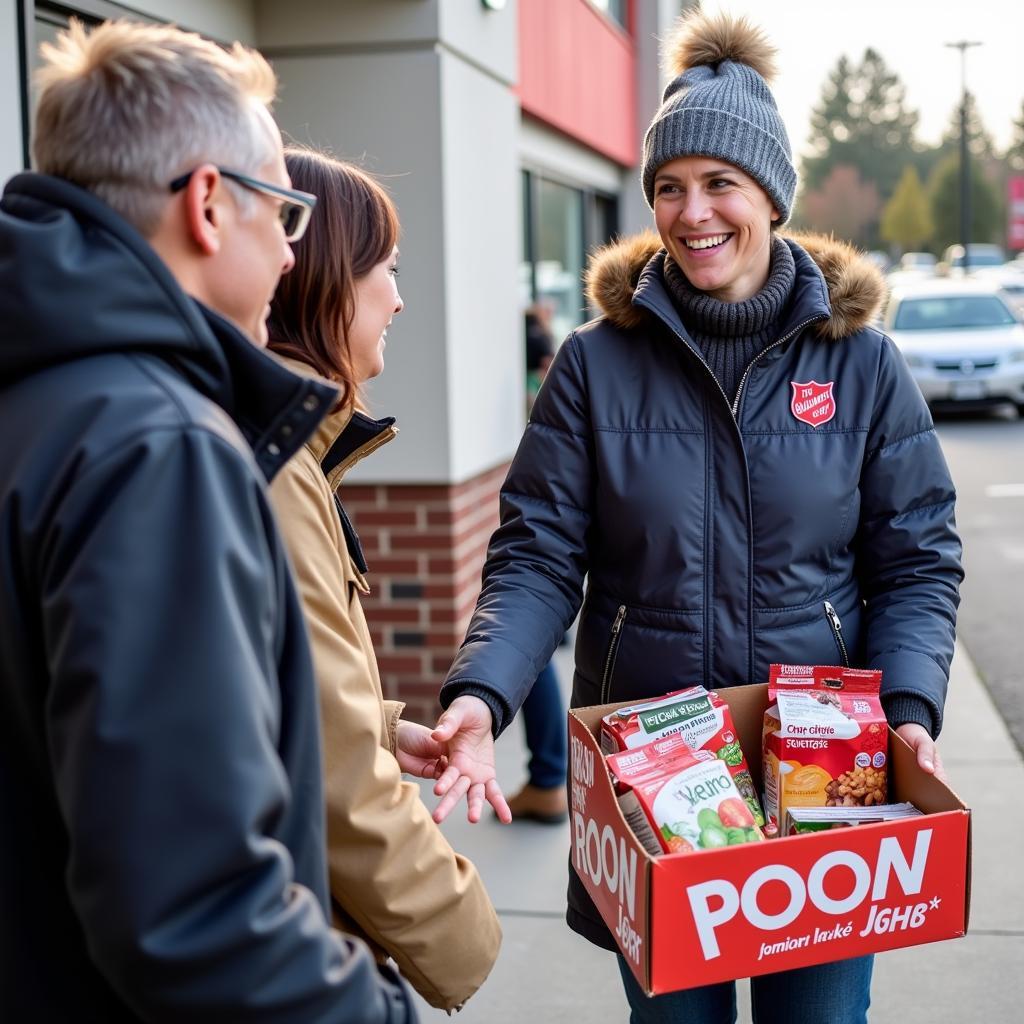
(719, 105)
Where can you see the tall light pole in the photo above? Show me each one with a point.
(965, 182)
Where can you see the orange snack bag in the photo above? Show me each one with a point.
(825, 741)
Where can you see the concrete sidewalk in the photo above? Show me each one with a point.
(546, 974)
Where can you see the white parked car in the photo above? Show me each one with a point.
(980, 254)
(962, 338)
(913, 266)
(1009, 279)
(918, 261)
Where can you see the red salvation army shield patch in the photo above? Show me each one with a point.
(813, 403)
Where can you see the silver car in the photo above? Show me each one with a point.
(963, 341)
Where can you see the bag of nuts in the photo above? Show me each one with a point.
(825, 740)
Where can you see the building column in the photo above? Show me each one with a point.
(422, 95)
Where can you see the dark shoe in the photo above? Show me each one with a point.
(548, 806)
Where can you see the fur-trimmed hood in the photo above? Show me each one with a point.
(856, 288)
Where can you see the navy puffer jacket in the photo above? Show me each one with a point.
(716, 539)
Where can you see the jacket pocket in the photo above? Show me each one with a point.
(836, 626)
(613, 650)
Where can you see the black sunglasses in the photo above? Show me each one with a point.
(295, 210)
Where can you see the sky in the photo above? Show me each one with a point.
(811, 35)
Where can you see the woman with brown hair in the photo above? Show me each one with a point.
(394, 879)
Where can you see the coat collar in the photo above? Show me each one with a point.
(834, 284)
(115, 294)
(345, 436)
(276, 410)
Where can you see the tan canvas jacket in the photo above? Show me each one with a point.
(395, 880)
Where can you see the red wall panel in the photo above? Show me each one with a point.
(577, 73)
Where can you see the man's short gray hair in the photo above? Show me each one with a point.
(126, 108)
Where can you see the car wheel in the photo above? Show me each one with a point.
(1020, 409)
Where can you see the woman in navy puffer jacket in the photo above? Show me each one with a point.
(741, 467)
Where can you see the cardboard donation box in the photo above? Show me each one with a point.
(695, 918)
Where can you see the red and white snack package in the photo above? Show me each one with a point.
(700, 717)
(678, 800)
(825, 740)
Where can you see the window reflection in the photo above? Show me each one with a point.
(615, 9)
(561, 224)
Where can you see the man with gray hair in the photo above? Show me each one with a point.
(162, 853)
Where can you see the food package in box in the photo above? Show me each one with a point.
(825, 740)
(700, 717)
(682, 800)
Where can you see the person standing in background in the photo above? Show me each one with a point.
(540, 349)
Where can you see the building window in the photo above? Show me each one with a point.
(46, 22)
(561, 224)
(617, 10)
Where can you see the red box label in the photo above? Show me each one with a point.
(605, 853)
(808, 899)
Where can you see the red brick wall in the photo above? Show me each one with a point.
(425, 546)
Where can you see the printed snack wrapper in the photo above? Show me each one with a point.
(700, 717)
(801, 820)
(678, 800)
(824, 741)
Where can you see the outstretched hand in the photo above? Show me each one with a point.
(465, 729)
(920, 741)
(418, 753)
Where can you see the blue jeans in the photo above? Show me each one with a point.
(836, 993)
(544, 718)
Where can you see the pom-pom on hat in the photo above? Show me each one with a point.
(719, 105)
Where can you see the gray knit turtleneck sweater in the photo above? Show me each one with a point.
(731, 335)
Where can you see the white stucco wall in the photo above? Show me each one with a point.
(224, 20)
(10, 92)
(309, 25)
(482, 250)
(654, 21)
(420, 93)
(383, 112)
(481, 36)
(546, 150)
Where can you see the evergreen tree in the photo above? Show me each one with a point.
(985, 163)
(944, 192)
(863, 121)
(980, 143)
(907, 217)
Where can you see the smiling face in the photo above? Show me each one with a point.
(715, 222)
(376, 302)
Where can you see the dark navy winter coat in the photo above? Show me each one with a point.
(715, 539)
(162, 848)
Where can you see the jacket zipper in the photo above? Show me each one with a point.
(609, 662)
(775, 344)
(734, 408)
(837, 632)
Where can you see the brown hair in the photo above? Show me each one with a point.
(353, 228)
